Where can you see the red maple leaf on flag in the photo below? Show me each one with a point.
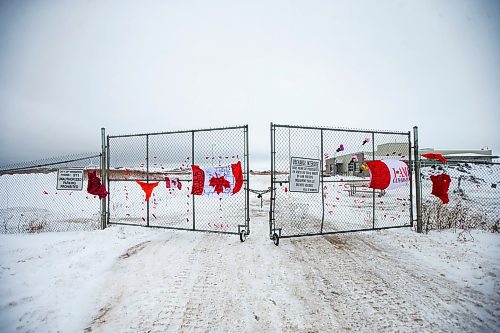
(219, 183)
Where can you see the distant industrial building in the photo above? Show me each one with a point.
(455, 156)
(350, 164)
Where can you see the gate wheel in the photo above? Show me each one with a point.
(243, 236)
(276, 239)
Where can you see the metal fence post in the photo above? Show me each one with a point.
(411, 178)
(147, 177)
(373, 191)
(192, 184)
(247, 191)
(272, 193)
(103, 176)
(108, 163)
(322, 186)
(418, 180)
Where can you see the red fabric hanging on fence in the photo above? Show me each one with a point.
(94, 185)
(147, 188)
(433, 156)
(173, 182)
(440, 186)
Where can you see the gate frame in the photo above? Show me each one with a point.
(275, 233)
(243, 229)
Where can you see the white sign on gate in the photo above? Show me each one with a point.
(70, 179)
(304, 175)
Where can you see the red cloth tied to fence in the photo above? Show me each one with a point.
(238, 176)
(173, 182)
(94, 185)
(433, 156)
(147, 188)
(440, 186)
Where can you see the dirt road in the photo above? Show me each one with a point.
(359, 282)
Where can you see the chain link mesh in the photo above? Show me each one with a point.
(30, 201)
(166, 158)
(344, 201)
(473, 194)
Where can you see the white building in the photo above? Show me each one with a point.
(350, 163)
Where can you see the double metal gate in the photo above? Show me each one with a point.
(166, 159)
(319, 181)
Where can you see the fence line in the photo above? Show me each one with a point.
(30, 201)
(473, 194)
(67, 159)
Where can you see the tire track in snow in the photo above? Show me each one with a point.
(193, 291)
(463, 307)
(142, 294)
(372, 290)
(203, 308)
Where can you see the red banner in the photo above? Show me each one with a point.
(380, 176)
(198, 180)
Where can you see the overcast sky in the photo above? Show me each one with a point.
(68, 68)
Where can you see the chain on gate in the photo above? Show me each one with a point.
(260, 194)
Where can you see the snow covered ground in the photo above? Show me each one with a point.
(132, 279)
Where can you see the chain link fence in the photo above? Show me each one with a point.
(30, 201)
(166, 159)
(473, 194)
(343, 201)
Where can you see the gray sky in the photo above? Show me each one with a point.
(68, 68)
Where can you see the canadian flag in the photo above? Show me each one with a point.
(388, 174)
(219, 182)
